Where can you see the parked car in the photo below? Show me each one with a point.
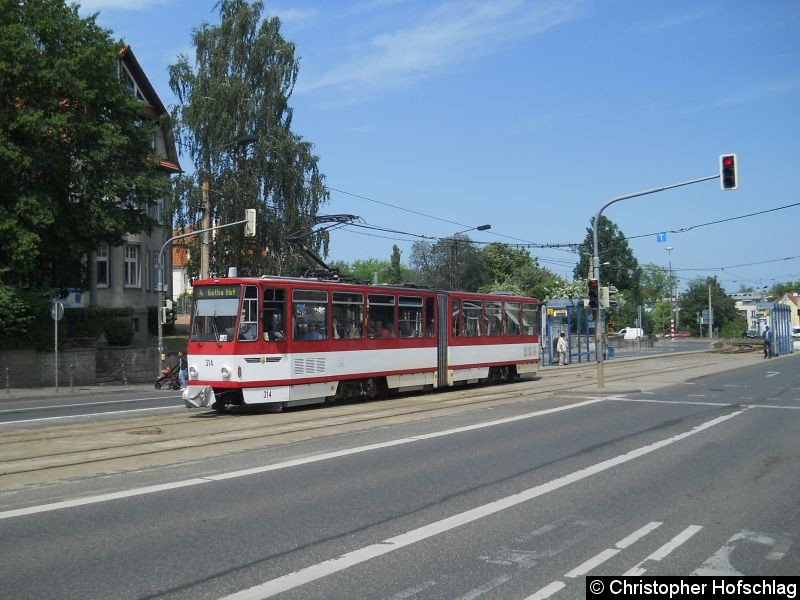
(752, 334)
(677, 334)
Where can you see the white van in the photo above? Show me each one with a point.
(631, 333)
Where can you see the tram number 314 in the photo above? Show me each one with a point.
(267, 393)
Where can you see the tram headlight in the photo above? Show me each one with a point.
(226, 373)
(192, 373)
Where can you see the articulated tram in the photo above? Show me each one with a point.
(282, 341)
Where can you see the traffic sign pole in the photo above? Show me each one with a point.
(57, 312)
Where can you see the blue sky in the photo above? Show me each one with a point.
(530, 115)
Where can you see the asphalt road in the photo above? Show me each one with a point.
(46, 411)
(518, 500)
(44, 408)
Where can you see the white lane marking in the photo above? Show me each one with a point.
(100, 414)
(557, 586)
(687, 403)
(638, 534)
(416, 438)
(412, 591)
(772, 373)
(56, 406)
(593, 562)
(730, 385)
(696, 395)
(283, 465)
(345, 561)
(720, 562)
(666, 549)
(488, 587)
(547, 591)
(20, 512)
(603, 556)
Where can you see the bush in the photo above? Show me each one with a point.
(119, 331)
(91, 322)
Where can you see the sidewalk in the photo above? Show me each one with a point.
(582, 375)
(78, 391)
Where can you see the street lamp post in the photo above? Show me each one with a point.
(454, 253)
(671, 294)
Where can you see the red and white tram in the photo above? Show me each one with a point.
(292, 341)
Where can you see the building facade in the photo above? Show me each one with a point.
(128, 275)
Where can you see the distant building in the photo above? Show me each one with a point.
(127, 275)
(753, 307)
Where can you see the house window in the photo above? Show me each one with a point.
(101, 266)
(129, 84)
(132, 277)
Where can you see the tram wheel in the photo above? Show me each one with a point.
(218, 406)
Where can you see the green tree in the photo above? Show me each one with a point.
(779, 289)
(238, 86)
(656, 283)
(618, 267)
(367, 269)
(695, 299)
(450, 263)
(514, 269)
(75, 153)
(396, 268)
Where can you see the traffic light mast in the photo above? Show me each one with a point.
(598, 324)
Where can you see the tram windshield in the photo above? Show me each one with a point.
(215, 310)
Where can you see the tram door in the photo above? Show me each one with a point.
(443, 329)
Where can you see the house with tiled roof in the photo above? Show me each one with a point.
(127, 275)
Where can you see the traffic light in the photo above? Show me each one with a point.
(728, 174)
(250, 224)
(593, 292)
(167, 315)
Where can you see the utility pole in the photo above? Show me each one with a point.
(710, 315)
(205, 242)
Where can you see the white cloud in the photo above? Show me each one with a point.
(293, 16)
(756, 94)
(443, 39)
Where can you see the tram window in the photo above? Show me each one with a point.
(472, 318)
(430, 320)
(511, 310)
(455, 311)
(530, 319)
(274, 314)
(493, 317)
(347, 316)
(309, 314)
(248, 316)
(215, 309)
(380, 312)
(409, 316)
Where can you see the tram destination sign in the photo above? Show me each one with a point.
(216, 291)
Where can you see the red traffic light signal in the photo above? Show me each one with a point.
(593, 294)
(728, 173)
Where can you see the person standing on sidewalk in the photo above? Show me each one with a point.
(561, 347)
(767, 335)
(183, 369)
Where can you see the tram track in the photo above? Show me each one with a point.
(68, 451)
